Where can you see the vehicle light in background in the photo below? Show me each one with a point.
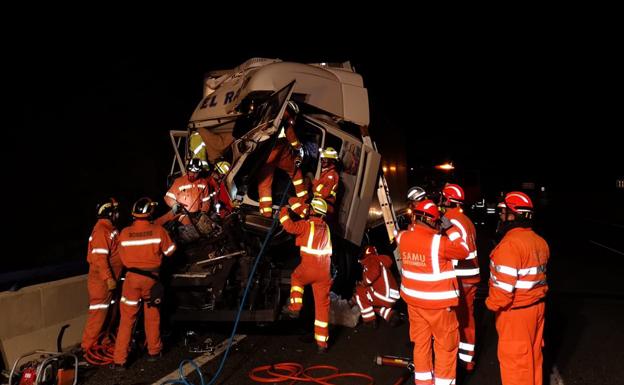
(446, 166)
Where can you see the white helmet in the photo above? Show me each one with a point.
(416, 194)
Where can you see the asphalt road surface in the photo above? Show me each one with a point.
(584, 339)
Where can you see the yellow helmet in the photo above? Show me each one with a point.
(223, 167)
(329, 153)
(319, 205)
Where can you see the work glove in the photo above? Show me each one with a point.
(111, 284)
(176, 208)
(445, 223)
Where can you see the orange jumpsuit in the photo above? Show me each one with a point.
(517, 291)
(221, 196)
(467, 271)
(281, 156)
(430, 289)
(104, 263)
(326, 186)
(141, 245)
(378, 290)
(314, 239)
(195, 196)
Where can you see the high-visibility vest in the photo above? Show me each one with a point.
(468, 269)
(102, 251)
(428, 278)
(518, 270)
(198, 148)
(143, 244)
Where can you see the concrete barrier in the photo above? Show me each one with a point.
(32, 317)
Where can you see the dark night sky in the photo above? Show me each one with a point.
(93, 114)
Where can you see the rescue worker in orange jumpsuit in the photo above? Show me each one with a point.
(282, 156)
(430, 289)
(377, 292)
(104, 269)
(467, 270)
(313, 237)
(188, 191)
(326, 186)
(517, 292)
(141, 247)
(219, 192)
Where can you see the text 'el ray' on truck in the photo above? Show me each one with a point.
(239, 119)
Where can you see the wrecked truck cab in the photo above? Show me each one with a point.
(239, 119)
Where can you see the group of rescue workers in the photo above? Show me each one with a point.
(438, 253)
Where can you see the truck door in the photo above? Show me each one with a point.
(363, 189)
(266, 123)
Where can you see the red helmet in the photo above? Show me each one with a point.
(370, 250)
(454, 193)
(428, 209)
(518, 202)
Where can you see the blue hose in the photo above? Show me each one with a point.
(182, 379)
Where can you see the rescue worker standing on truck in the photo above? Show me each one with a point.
(219, 194)
(141, 247)
(377, 292)
(313, 237)
(104, 269)
(187, 191)
(467, 270)
(286, 155)
(517, 292)
(429, 288)
(198, 149)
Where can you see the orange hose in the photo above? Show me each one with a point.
(101, 353)
(294, 372)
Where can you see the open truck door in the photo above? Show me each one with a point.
(266, 123)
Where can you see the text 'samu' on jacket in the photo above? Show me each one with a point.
(142, 245)
(518, 270)
(428, 278)
(195, 196)
(102, 251)
(467, 270)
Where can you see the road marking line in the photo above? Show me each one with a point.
(555, 377)
(201, 360)
(606, 247)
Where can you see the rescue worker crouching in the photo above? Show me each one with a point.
(285, 155)
(377, 292)
(141, 247)
(188, 194)
(104, 269)
(313, 237)
(467, 270)
(429, 287)
(517, 292)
